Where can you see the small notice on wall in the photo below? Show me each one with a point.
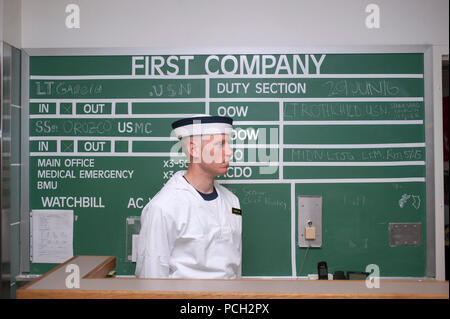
(52, 235)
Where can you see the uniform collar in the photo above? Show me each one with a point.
(179, 182)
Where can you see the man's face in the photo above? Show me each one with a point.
(215, 153)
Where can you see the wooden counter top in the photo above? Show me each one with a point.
(93, 269)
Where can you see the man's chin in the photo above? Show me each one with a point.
(223, 170)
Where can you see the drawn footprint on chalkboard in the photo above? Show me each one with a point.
(406, 197)
(403, 200)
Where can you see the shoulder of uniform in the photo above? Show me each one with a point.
(227, 192)
(166, 200)
(221, 187)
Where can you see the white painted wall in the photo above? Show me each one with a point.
(232, 23)
(11, 22)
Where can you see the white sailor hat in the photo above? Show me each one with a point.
(202, 125)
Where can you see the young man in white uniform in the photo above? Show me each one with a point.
(192, 227)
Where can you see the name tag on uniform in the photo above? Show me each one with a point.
(236, 211)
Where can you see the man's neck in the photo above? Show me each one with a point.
(200, 180)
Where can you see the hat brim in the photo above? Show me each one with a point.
(202, 129)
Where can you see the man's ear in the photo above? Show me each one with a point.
(195, 149)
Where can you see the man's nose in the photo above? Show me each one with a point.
(228, 150)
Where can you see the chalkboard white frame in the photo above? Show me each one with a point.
(431, 133)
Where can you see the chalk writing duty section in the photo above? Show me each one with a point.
(335, 125)
(117, 88)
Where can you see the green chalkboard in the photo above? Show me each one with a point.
(346, 127)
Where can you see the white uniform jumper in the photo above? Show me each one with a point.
(184, 236)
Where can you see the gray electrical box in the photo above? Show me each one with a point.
(405, 234)
(309, 221)
(133, 224)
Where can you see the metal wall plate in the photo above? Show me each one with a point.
(309, 209)
(405, 234)
(133, 227)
